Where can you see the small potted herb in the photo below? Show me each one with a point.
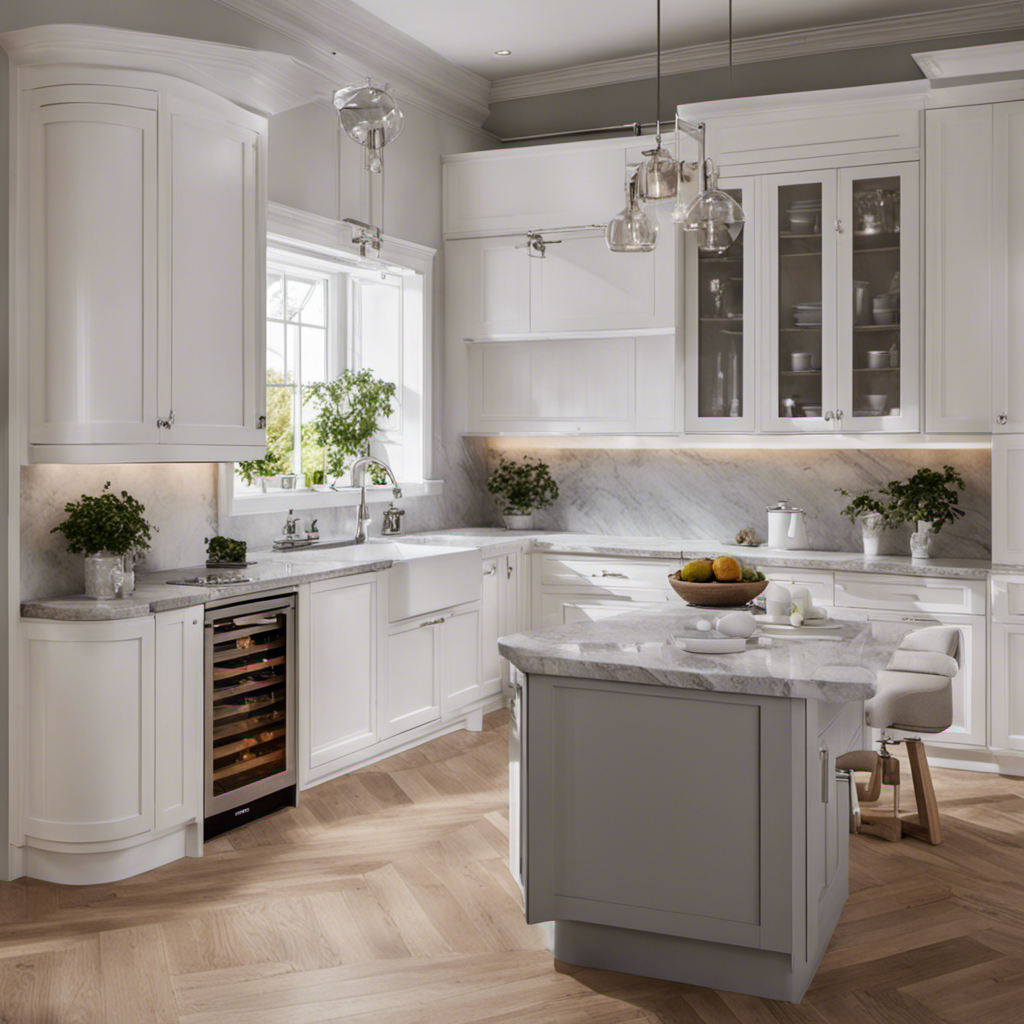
(930, 498)
(874, 514)
(521, 488)
(110, 530)
(223, 551)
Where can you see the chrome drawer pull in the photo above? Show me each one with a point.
(432, 622)
(604, 573)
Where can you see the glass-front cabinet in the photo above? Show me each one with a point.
(840, 307)
(721, 332)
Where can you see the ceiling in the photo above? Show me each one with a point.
(545, 35)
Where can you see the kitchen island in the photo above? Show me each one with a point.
(679, 815)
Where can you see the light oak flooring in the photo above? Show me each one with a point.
(385, 899)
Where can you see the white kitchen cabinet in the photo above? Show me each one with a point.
(1008, 499)
(488, 287)
(499, 617)
(959, 214)
(140, 265)
(341, 623)
(563, 609)
(555, 186)
(1007, 660)
(89, 732)
(594, 385)
(460, 672)
(178, 716)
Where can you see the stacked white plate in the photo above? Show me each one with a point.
(807, 314)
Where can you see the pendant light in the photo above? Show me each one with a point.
(713, 214)
(658, 177)
(370, 116)
(631, 230)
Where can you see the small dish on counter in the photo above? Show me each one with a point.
(708, 642)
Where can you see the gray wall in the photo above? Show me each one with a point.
(624, 103)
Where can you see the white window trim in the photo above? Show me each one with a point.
(325, 243)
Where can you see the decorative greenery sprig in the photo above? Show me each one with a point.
(224, 549)
(348, 413)
(106, 522)
(928, 496)
(521, 487)
(864, 505)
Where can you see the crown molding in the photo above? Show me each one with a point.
(969, 61)
(349, 43)
(264, 82)
(999, 16)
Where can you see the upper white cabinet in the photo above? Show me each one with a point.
(139, 212)
(1008, 500)
(533, 188)
(959, 265)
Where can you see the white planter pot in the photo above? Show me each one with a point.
(518, 522)
(872, 526)
(921, 541)
(104, 575)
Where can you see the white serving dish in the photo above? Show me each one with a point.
(708, 642)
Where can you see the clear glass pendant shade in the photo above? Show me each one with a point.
(370, 117)
(658, 175)
(631, 230)
(713, 214)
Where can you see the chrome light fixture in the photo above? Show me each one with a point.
(370, 116)
(658, 177)
(631, 230)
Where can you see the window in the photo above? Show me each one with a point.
(326, 315)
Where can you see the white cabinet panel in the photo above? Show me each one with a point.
(209, 375)
(910, 593)
(581, 285)
(342, 669)
(92, 266)
(178, 711)
(1007, 598)
(89, 729)
(550, 187)
(1008, 499)
(561, 610)
(958, 269)
(460, 659)
(414, 667)
(493, 622)
(600, 574)
(572, 385)
(1007, 660)
(488, 287)
(1008, 268)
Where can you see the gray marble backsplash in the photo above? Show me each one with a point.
(698, 495)
(711, 494)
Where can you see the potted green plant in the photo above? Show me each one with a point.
(875, 516)
(280, 437)
(521, 488)
(929, 498)
(111, 531)
(348, 412)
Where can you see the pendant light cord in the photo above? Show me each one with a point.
(657, 89)
(732, 91)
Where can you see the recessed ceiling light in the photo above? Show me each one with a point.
(502, 53)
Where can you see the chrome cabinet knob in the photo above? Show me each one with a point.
(828, 415)
(1001, 419)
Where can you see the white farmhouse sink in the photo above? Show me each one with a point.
(425, 577)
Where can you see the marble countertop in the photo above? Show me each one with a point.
(637, 648)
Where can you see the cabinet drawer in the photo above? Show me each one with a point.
(1008, 598)
(606, 573)
(818, 583)
(910, 594)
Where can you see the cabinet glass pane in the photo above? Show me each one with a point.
(720, 330)
(876, 297)
(800, 294)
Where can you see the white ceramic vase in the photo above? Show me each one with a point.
(104, 575)
(518, 522)
(872, 526)
(921, 541)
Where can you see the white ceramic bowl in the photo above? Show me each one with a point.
(801, 222)
(878, 359)
(876, 402)
(800, 361)
(884, 317)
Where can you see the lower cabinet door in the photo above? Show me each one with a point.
(88, 729)
(561, 609)
(493, 622)
(1007, 686)
(342, 666)
(414, 665)
(178, 715)
(460, 659)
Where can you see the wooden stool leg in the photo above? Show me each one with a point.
(927, 826)
(886, 826)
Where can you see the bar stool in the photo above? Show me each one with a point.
(915, 694)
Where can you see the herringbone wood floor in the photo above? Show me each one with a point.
(385, 899)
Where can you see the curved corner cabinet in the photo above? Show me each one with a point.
(112, 762)
(140, 239)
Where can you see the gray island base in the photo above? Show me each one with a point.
(678, 815)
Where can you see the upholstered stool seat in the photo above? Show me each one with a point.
(915, 694)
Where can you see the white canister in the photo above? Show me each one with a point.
(780, 516)
(777, 602)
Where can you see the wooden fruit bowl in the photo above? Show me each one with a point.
(720, 595)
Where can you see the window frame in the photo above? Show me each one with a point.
(319, 244)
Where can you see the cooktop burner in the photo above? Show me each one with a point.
(212, 579)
